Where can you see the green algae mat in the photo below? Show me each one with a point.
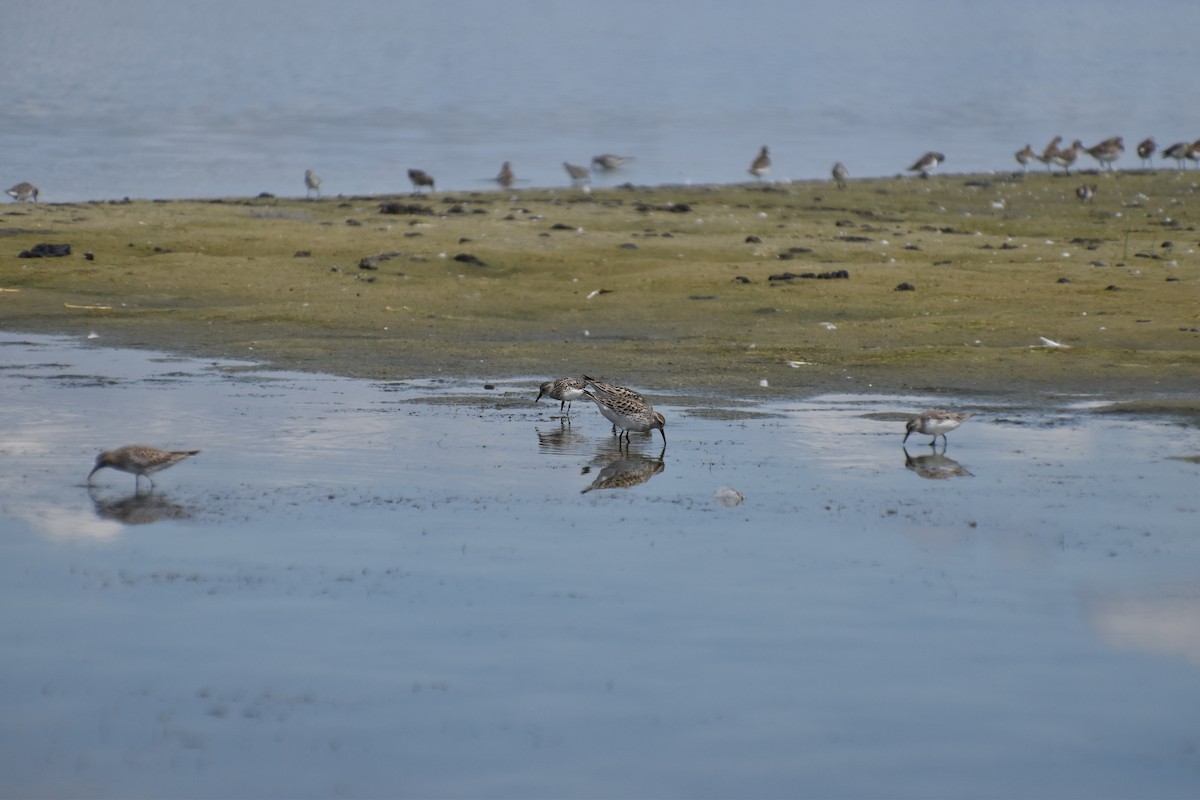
(958, 283)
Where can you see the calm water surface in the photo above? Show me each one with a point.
(229, 97)
(433, 589)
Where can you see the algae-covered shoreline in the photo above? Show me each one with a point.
(691, 289)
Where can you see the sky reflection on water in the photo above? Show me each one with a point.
(412, 589)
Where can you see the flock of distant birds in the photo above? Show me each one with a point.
(1052, 155)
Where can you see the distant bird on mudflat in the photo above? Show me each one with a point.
(761, 164)
(935, 424)
(1193, 153)
(419, 178)
(1049, 151)
(579, 175)
(23, 191)
(506, 178)
(1065, 158)
(311, 183)
(1107, 151)
(927, 163)
(564, 390)
(1178, 151)
(1146, 149)
(608, 162)
(139, 460)
(840, 174)
(1024, 156)
(1085, 192)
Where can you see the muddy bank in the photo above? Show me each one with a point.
(957, 284)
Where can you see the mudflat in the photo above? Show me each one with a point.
(954, 284)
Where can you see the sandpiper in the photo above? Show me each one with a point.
(23, 191)
(609, 162)
(1146, 149)
(761, 164)
(1065, 158)
(1049, 151)
(1107, 151)
(1193, 153)
(612, 390)
(506, 178)
(139, 460)
(840, 174)
(419, 178)
(936, 423)
(564, 390)
(629, 414)
(1178, 151)
(311, 183)
(927, 163)
(1086, 192)
(1024, 156)
(579, 175)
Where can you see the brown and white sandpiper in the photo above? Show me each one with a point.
(927, 163)
(23, 191)
(139, 460)
(419, 178)
(936, 423)
(761, 164)
(311, 183)
(563, 390)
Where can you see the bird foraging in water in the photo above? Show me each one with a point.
(609, 162)
(564, 390)
(629, 413)
(936, 423)
(139, 460)
(419, 178)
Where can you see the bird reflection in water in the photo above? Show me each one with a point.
(623, 469)
(564, 437)
(935, 466)
(138, 508)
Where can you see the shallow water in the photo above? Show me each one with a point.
(434, 589)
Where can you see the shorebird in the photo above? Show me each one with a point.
(1178, 151)
(840, 174)
(629, 413)
(761, 164)
(1086, 192)
(506, 178)
(1146, 148)
(1065, 158)
(419, 178)
(139, 460)
(936, 423)
(1024, 156)
(1107, 151)
(927, 163)
(1048, 153)
(1193, 153)
(579, 175)
(612, 390)
(609, 162)
(311, 183)
(23, 191)
(563, 390)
